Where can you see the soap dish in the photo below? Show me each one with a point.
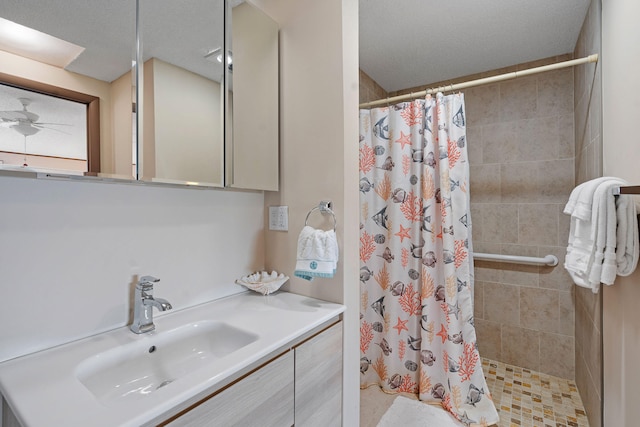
(263, 282)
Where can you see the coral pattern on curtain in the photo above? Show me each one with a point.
(416, 329)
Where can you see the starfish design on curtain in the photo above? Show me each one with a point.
(404, 232)
(401, 325)
(420, 184)
(404, 139)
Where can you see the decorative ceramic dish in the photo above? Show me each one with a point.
(263, 282)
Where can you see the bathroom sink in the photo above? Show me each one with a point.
(138, 369)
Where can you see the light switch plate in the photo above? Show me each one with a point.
(279, 218)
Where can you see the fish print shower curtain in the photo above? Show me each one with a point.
(416, 274)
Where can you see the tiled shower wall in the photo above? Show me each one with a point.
(369, 89)
(588, 119)
(521, 147)
(521, 151)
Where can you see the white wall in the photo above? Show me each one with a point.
(621, 157)
(70, 251)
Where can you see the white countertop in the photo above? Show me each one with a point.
(43, 390)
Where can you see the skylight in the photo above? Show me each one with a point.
(36, 45)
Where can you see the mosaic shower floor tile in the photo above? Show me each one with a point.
(524, 398)
(531, 399)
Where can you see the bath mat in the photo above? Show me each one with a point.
(407, 412)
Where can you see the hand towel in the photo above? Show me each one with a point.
(317, 254)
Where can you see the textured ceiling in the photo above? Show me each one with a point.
(176, 31)
(402, 43)
(410, 43)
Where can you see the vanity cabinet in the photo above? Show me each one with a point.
(301, 387)
(263, 398)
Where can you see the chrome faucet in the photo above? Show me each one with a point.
(143, 303)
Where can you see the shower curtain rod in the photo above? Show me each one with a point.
(483, 81)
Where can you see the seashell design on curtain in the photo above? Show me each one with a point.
(416, 270)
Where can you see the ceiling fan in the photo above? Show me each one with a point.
(25, 122)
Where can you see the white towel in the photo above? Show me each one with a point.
(581, 199)
(628, 252)
(603, 238)
(317, 254)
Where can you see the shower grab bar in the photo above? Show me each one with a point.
(550, 260)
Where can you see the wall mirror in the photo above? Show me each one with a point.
(252, 96)
(181, 99)
(66, 87)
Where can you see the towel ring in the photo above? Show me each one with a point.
(323, 207)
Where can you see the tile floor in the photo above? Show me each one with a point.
(522, 397)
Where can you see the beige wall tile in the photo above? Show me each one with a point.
(554, 277)
(489, 339)
(500, 221)
(370, 90)
(566, 136)
(474, 144)
(566, 324)
(538, 138)
(518, 99)
(519, 274)
(539, 309)
(500, 142)
(485, 183)
(477, 221)
(555, 179)
(482, 104)
(521, 347)
(518, 182)
(557, 355)
(555, 93)
(478, 300)
(499, 303)
(589, 389)
(538, 224)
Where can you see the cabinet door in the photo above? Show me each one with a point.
(261, 399)
(319, 379)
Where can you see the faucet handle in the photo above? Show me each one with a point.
(146, 282)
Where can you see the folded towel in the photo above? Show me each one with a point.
(317, 253)
(580, 201)
(628, 249)
(582, 253)
(603, 237)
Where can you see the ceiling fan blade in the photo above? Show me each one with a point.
(13, 115)
(38, 126)
(57, 124)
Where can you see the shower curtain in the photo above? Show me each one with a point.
(416, 271)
